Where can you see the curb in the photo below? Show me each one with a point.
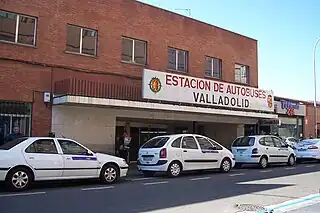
(293, 204)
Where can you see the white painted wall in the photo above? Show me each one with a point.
(95, 127)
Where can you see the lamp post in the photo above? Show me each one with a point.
(315, 88)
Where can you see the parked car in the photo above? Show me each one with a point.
(308, 149)
(262, 150)
(29, 159)
(183, 152)
(291, 141)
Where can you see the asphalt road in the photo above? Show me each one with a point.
(191, 193)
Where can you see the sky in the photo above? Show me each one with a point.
(286, 30)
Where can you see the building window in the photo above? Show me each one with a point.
(241, 74)
(134, 51)
(17, 28)
(177, 60)
(213, 67)
(81, 40)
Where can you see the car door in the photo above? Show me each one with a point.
(191, 154)
(211, 156)
(79, 162)
(42, 155)
(283, 150)
(271, 149)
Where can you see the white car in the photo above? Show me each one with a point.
(29, 159)
(183, 152)
(308, 149)
(262, 150)
(291, 141)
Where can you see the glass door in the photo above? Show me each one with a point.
(4, 128)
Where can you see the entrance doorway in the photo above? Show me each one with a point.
(14, 114)
(138, 135)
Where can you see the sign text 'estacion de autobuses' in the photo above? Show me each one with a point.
(217, 87)
(181, 88)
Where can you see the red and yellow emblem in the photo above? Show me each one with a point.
(270, 101)
(155, 85)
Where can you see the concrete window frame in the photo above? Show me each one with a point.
(241, 73)
(18, 18)
(175, 66)
(133, 51)
(215, 67)
(83, 32)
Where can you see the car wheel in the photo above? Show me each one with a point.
(148, 173)
(19, 179)
(225, 165)
(109, 174)
(291, 160)
(263, 162)
(174, 169)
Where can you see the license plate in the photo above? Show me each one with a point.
(241, 150)
(147, 158)
(302, 150)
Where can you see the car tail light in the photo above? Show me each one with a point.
(163, 153)
(312, 147)
(255, 151)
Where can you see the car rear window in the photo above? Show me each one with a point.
(308, 142)
(244, 141)
(156, 142)
(13, 143)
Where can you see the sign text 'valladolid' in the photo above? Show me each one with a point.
(178, 88)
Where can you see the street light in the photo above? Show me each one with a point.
(315, 88)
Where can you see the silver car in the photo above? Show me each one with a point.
(308, 149)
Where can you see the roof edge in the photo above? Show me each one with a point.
(197, 20)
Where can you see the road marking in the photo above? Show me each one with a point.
(98, 188)
(239, 174)
(201, 178)
(309, 166)
(22, 194)
(139, 179)
(266, 170)
(155, 183)
(289, 168)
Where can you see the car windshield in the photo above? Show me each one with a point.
(156, 142)
(244, 141)
(12, 143)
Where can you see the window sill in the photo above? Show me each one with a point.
(178, 71)
(80, 54)
(244, 84)
(133, 63)
(213, 78)
(18, 44)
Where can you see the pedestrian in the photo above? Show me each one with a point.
(15, 135)
(1, 137)
(123, 152)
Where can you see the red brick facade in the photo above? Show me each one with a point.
(309, 120)
(27, 72)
